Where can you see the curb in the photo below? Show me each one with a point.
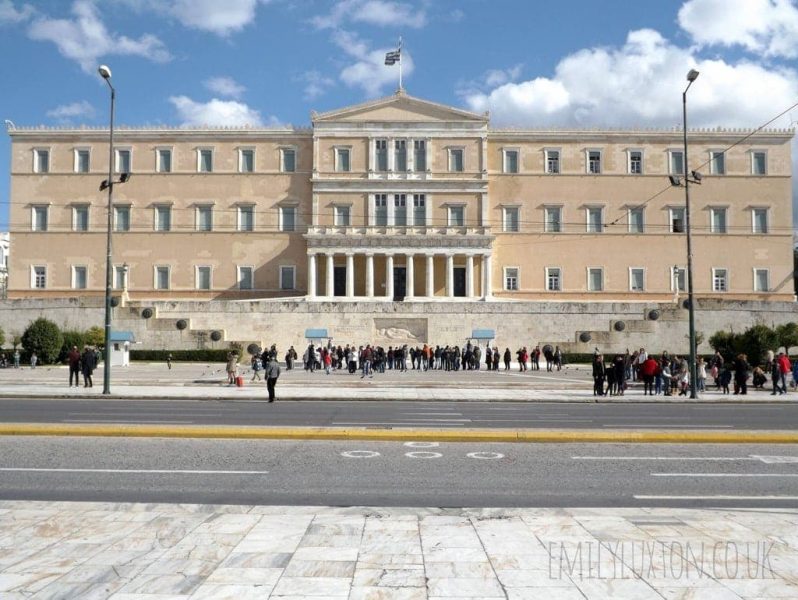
(386, 435)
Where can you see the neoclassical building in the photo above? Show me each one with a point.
(401, 199)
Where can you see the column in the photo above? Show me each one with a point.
(389, 276)
(370, 275)
(312, 275)
(330, 290)
(350, 275)
(470, 276)
(486, 281)
(411, 277)
(450, 275)
(430, 275)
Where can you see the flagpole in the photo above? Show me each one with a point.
(400, 62)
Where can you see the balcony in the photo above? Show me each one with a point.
(331, 236)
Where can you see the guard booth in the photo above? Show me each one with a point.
(482, 336)
(317, 337)
(120, 347)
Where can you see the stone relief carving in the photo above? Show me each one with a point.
(393, 331)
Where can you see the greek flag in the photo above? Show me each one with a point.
(393, 57)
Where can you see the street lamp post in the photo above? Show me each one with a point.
(692, 75)
(105, 73)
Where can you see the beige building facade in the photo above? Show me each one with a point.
(401, 199)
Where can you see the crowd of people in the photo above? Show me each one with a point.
(82, 363)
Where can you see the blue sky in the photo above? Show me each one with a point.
(530, 62)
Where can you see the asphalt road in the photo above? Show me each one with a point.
(386, 414)
(397, 474)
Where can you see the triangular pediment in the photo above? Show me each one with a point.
(398, 108)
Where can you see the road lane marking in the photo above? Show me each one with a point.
(775, 460)
(434, 414)
(393, 424)
(653, 426)
(662, 458)
(423, 454)
(137, 471)
(719, 497)
(485, 455)
(724, 474)
(99, 421)
(360, 454)
(422, 444)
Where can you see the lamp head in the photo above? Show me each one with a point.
(104, 71)
(124, 177)
(697, 176)
(675, 181)
(692, 75)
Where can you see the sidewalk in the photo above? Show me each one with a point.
(95, 551)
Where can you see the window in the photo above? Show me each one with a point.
(553, 279)
(594, 219)
(457, 216)
(720, 280)
(717, 163)
(342, 164)
(164, 160)
(82, 160)
(759, 217)
(510, 161)
(637, 279)
(595, 279)
(456, 160)
(761, 280)
(245, 278)
(38, 277)
(287, 278)
(122, 160)
(381, 155)
(80, 218)
(511, 220)
(636, 220)
(41, 161)
(594, 161)
(400, 210)
(676, 219)
(381, 210)
(635, 162)
(759, 163)
(400, 155)
(246, 218)
(552, 162)
(717, 218)
(120, 277)
(287, 160)
(511, 279)
(420, 155)
(39, 218)
(205, 160)
(553, 219)
(121, 218)
(419, 210)
(205, 218)
(342, 216)
(163, 217)
(287, 217)
(676, 162)
(161, 278)
(203, 278)
(246, 160)
(79, 278)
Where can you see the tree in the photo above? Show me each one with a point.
(727, 343)
(71, 338)
(44, 338)
(757, 341)
(787, 335)
(95, 336)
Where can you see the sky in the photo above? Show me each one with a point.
(531, 63)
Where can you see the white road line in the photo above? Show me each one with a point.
(144, 413)
(724, 474)
(660, 426)
(440, 414)
(396, 424)
(137, 471)
(723, 497)
(663, 458)
(439, 420)
(138, 422)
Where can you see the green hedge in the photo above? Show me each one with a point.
(207, 355)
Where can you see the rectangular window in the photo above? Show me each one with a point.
(760, 220)
(121, 218)
(717, 164)
(205, 160)
(287, 278)
(720, 280)
(679, 279)
(245, 278)
(247, 158)
(381, 155)
(636, 220)
(511, 220)
(761, 280)
(41, 161)
(676, 162)
(677, 223)
(552, 162)
(456, 160)
(122, 161)
(203, 278)
(342, 216)
(163, 218)
(419, 210)
(420, 155)
(553, 223)
(204, 218)
(39, 278)
(637, 279)
(635, 162)
(553, 279)
(246, 218)
(595, 279)
(164, 158)
(82, 160)
(381, 210)
(342, 164)
(80, 218)
(400, 155)
(717, 220)
(288, 218)
(457, 216)
(161, 278)
(511, 161)
(594, 161)
(288, 160)
(594, 219)
(511, 279)
(400, 210)
(759, 163)
(79, 278)
(39, 220)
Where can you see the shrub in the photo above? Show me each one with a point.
(204, 355)
(788, 336)
(757, 341)
(44, 338)
(95, 336)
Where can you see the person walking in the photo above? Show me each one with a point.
(272, 373)
(16, 359)
(599, 373)
(232, 365)
(257, 366)
(741, 367)
(88, 362)
(73, 358)
(169, 361)
(33, 360)
(784, 368)
(647, 371)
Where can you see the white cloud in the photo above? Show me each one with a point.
(217, 113)
(768, 27)
(66, 112)
(369, 71)
(382, 13)
(316, 84)
(10, 14)
(85, 38)
(215, 16)
(496, 77)
(225, 86)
